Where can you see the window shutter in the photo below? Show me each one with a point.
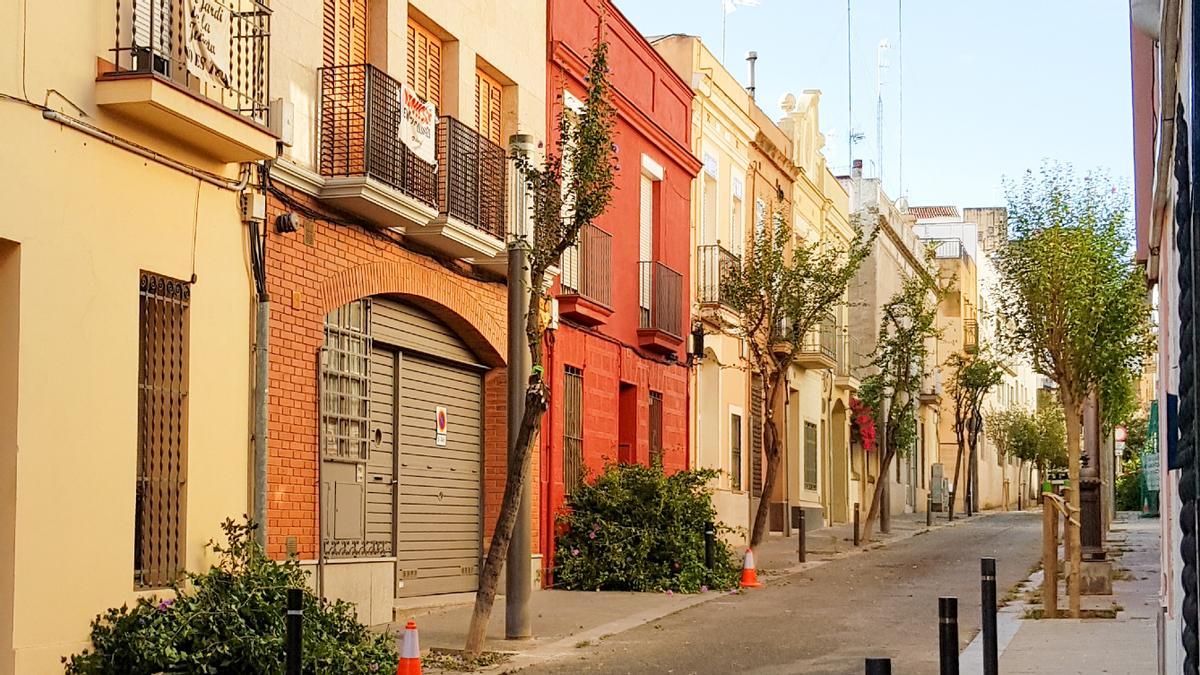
(345, 34)
(488, 98)
(646, 235)
(424, 70)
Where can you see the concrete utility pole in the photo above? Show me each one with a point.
(517, 579)
(885, 497)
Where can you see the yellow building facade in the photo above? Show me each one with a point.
(126, 309)
(723, 426)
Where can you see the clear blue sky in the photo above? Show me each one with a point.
(990, 88)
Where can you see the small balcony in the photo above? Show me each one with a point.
(714, 264)
(204, 84)
(818, 349)
(455, 206)
(586, 283)
(660, 298)
(850, 362)
(971, 336)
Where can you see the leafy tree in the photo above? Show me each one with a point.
(1071, 298)
(974, 375)
(900, 358)
(563, 203)
(784, 288)
(1036, 439)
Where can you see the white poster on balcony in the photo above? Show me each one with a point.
(418, 125)
(206, 40)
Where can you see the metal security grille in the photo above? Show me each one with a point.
(810, 456)
(656, 428)
(162, 431)
(572, 429)
(735, 451)
(346, 382)
(662, 297)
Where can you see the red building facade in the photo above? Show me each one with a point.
(617, 362)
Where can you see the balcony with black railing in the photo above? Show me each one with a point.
(200, 77)
(850, 361)
(586, 283)
(660, 299)
(818, 349)
(970, 336)
(714, 264)
(455, 205)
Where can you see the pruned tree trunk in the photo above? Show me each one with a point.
(489, 576)
(885, 463)
(958, 460)
(1073, 552)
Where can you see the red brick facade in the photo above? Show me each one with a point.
(652, 128)
(323, 266)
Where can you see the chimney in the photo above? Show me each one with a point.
(856, 198)
(751, 57)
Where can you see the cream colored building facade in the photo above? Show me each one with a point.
(897, 254)
(723, 133)
(819, 397)
(126, 312)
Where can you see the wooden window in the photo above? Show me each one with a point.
(656, 429)
(735, 451)
(162, 431)
(489, 95)
(756, 435)
(345, 383)
(810, 456)
(424, 73)
(345, 34)
(572, 429)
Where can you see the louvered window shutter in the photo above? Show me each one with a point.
(424, 71)
(345, 34)
(488, 98)
(646, 237)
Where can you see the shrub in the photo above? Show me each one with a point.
(636, 529)
(1129, 486)
(230, 619)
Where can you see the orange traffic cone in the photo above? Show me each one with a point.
(410, 651)
(749, 575)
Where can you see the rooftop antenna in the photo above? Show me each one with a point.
(900, 87)
(881, 65)
(849, 91)
(751, 58)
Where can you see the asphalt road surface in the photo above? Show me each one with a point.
(830, 618)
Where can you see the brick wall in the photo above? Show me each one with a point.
(323, 266)
(606, 364)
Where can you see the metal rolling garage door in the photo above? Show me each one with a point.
(438, 520)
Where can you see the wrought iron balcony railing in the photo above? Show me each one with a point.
(471, 179)
(850, 359)
(947, 248)
(970, 336)
(714, 263)
(159, 38)
(587, 267)
(360, 118)
(820, 341)
(660, 291)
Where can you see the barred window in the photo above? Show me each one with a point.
(656, 428)
(572, 429)
(345, 382)
(162, 431)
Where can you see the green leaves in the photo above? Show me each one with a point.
(231, 619)
(1071, 297)
(636, 529)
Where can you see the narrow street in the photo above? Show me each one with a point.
(828, 619)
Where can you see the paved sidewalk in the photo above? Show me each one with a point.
(566, 622)
(1125, 644)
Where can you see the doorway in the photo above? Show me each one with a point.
(627, 424)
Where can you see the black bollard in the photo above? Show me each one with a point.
(991, 658)
(950, 511)
(800, 539)
(929, 510)
(879, 667)
(710, 544)
(948, 635)
(856, 524)
(295, 615)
